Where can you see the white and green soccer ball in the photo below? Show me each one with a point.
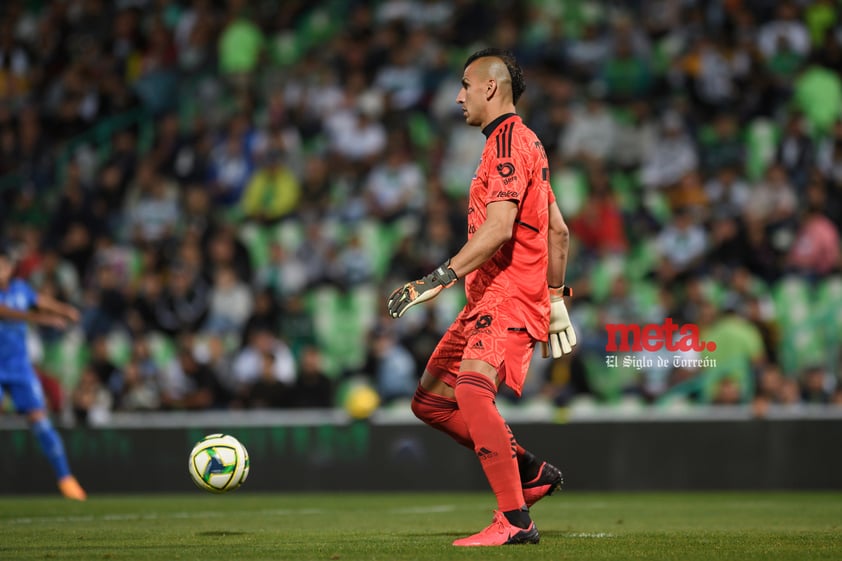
(219, 463)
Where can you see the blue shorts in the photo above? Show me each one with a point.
(26, 392)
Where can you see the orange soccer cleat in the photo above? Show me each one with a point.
(547, 482)
(71, 489)
(501, 532)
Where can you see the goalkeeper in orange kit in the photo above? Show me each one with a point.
(513, 263)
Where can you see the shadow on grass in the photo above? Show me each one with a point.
(221, 533)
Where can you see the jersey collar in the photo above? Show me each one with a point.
(495, 123)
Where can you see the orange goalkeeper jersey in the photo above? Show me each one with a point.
(513, 167)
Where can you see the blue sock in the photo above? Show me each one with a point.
(52, 446)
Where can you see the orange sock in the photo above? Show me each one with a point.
(493, 441)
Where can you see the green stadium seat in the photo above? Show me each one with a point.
(135, 264)
(645, 294)
(706, 382)
(256, 240)
(325, 306)
(607, 383)
(421, 131)
(363, 304)
(626, 190)
(791, 296)
(571, 190)
(658, 205)
(290, 234)
(809, 346)
(714, 291)
(827, 310)
(66, 357)
(603, 274)
(162, 348)
(285, 48)
(828, 304)
(585, 317)
(379, 242)
(119, 348)
(641, 259)
(761, 143)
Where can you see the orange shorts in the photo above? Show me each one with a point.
(489, 336)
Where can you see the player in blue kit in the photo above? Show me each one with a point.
(19, 304)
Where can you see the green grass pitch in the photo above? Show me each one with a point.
(244, 526)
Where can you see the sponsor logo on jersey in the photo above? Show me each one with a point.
(484, 321)
(507, 194)
(505, 169)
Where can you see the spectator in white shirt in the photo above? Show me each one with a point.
(248, 363)
(673, 156)
(681, 247)
(727, 192)
(358, 135)
(231, 302)
(773, 200)
(396, 186)
(785, 26)
(591, 133)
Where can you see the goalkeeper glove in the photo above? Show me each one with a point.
(421, 290)
(562, 338)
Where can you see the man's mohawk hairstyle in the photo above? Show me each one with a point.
(515, 72)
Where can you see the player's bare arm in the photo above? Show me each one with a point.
(12, 314)
(488, 239)
(49, 304)
(562, 337)
(559, 244)
(33, 316)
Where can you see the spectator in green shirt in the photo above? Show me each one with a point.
(818, 94)
(739, 350)
(241, 45)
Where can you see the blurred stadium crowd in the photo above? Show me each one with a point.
(229, 189)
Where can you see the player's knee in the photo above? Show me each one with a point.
(422, 410)
(472, 387)
(418, 409)
(36, 416)
(42, 427)
(430, 408)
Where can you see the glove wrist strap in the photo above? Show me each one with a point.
(445, 275)
(562, 290)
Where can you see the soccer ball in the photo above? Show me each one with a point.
(219, 463)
